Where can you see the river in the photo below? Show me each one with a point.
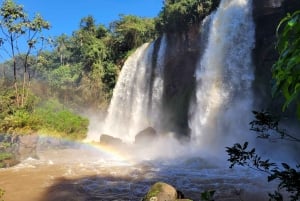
(89, 173)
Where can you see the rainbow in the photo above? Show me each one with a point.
(113, 153)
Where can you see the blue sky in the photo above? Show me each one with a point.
(64, 15)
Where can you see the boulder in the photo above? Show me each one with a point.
(161, 191)
(145, 136)
(110, 141)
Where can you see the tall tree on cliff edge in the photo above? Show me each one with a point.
(181, 15)
(21, 37)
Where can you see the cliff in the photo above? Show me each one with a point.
(184, 51)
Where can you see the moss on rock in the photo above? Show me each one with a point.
(161, 191)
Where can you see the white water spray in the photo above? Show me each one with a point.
(135, 104)
(224, 75)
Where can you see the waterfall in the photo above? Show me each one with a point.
(155, 107)
(137, 96)
(224, 75)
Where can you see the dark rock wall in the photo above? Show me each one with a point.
(182, 56)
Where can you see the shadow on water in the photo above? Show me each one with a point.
(94, 188)
(133, 184)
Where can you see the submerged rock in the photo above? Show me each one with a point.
(161, 191)
(145, 136)
(110, 141)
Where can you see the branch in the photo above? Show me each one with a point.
(266, 125)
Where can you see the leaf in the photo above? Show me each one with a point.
(286, 166)
(245, 145)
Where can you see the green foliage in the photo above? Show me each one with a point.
(82, 69)
(266, 127)
(6, 102)
(2, 192)
(57, 120)
(286, 71)
(109, 77)
(5, 156)
(208, 195)
(130, 32)
(51, 118)
(63, 76)
(21, 121)
(17, 28)
(12, 117)
(180, 15)
(15, 23)
(289, 178)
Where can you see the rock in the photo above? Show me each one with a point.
(14, 148)
(26, 146)
(161, 191)
(109, 140)
(145, 136)
(6, 163)
(184, 200)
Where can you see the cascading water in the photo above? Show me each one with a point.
(156, 93)
(137, 96)
(224, 75)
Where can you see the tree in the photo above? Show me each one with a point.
(61, 44)
(130, 32)
(286, 71)
(17, 28)
(180, 15)
(88, 24)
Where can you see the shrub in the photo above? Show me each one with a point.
(59, 121)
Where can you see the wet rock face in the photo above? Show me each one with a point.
(182, 55)
(267, 14)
